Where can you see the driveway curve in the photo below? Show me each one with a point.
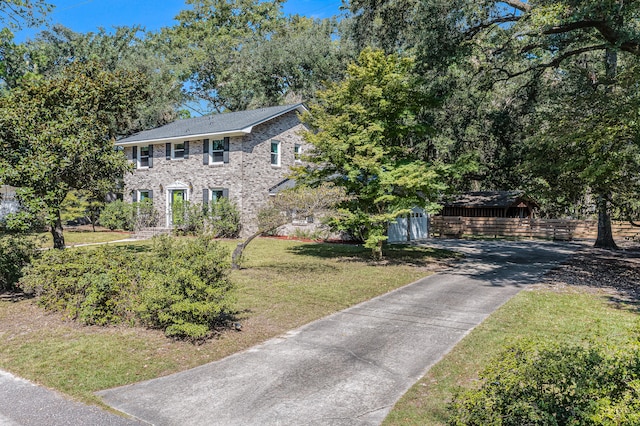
(350, 367)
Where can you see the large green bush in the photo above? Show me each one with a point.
(219, 219)
(182, 286)
(555, 385)
(117, 215)
(129, 216)
(94, 286)
(16, 252)
(189, 287)
(222, 219)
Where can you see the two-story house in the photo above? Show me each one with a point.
(240, 155)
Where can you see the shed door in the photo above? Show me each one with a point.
(418, 228)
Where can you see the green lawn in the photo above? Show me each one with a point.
(542, 315)
(72, 238)
(284, 284)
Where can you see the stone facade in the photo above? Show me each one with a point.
(246, 177)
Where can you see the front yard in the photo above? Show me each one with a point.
(591, 298)
(285, 284)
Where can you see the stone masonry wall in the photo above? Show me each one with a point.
(248, 175)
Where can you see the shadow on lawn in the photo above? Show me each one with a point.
(393, 254)
(614, 272)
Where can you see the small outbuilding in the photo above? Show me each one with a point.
(513, 204)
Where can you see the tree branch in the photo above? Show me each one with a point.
(559, 29)
(473, 31)
(554, 63)
(608, 33)
(520, 5)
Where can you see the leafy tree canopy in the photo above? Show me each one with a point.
(123, 49)
(368, 137)
(245, 53)
(57, 134)
(17, 13)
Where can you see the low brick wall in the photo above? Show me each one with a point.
(558, 229)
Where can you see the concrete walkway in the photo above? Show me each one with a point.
(351, 367)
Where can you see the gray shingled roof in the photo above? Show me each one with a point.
(489, 199)
(218, 124)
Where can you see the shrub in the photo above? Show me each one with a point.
(555, 385)
(144, 215)
(117, 215)
(96, 286)
(218, 219)
(189, 291)
(129, 216)
(222, 219)
(188, 218)
(16, 252)
(182, 287)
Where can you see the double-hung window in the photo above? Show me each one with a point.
(297, 153)
(142, 194)
(215, 151)
(211, 195)
(275, 153)
(177, 151)
(142, 156)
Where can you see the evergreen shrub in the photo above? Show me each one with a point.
(553, 384)
(16, 252)
(181, 287)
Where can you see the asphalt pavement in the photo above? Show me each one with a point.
(350, 367)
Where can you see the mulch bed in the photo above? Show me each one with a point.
(614, 272)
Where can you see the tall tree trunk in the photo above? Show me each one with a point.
(56, 232)
(605, 235)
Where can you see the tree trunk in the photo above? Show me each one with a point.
(237, 253)
(56, 232)
(605, 235)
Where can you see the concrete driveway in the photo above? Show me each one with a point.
(351, 367)
(24, 404)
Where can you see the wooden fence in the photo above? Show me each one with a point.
(556, 229)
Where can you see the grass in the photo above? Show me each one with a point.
(540, 315)
(76, 237)
(284, 284)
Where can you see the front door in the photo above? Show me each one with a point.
(177, 206)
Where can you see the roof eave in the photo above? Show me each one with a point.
(237, 132)
(230, 133)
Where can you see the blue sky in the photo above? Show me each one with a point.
(88, 15)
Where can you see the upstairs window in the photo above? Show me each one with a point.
(177, 151)
(142, 156)
(215, 151)
(275, 153)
